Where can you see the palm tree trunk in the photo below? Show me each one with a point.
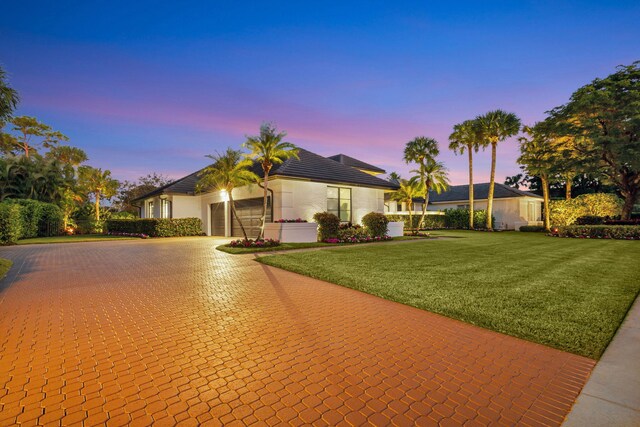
(545, 195)
(410, 208)
(235, 214)
(266, 168)
(97, 206)
(492, 183)
(471, 212)
(567, 191)
(424, 209)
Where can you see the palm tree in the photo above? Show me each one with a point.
(434, 176)
(409, 190)
(8, 98)
(269, 149)
(228, 171)
(421, 150)
(466, 136)
(99, 183)
(496, 126)
(537, 157)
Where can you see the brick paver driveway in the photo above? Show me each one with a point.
(170, 331)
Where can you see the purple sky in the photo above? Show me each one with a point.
(148, 87)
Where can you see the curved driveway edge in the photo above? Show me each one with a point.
(170, 331)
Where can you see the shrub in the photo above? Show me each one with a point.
(459, 218)
(431, 222)
(567, 212)
(157, 227)
(624, 232)
(622, 221)
(376, 224)
(90, 226)
(328, 225)
(532, 228)
(297, 220)
(51, 222)
(590, 220)
(354, 232)
(10, 223)
(31, 211)
(258, 243)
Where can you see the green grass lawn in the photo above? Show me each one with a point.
(72, 239)
(571, 294)
(5, 265)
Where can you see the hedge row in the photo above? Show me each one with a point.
(23, 219)
(624, 232)
(430, 221)
(156, 227)
(532, 228)
(459, 219)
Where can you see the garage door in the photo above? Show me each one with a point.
(249, 211)
(217, 219)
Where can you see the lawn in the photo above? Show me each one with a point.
(73, 239)
(570, 294)
(5, 265)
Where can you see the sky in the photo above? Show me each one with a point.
(151, 86)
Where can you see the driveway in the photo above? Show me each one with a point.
(172, 331)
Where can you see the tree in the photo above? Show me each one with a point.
(268, 149)
(31, 135)
(496, 126)
(8, 98)
(537, 157)
(98, 183)
(131, 190)
(68, 155)
(228, 171)
(422, 151)
(434, 176)
(409, 190)
(394, 177)
(466, 136)
(604, 118)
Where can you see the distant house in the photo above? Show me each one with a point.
(512, 208)
(298, 188)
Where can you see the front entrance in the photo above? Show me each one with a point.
(217, 219)
(249, 211)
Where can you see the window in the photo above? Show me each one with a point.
(149, 210)
(165, 209)
(399, 207)
(339, 203)
(532, 214)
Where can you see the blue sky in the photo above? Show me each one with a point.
(146, 86)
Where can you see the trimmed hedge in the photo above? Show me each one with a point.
(37, 219)
(377, 224)
(431, 222)
(624, 232)
(532, 228)
(157, 227)
(328, 225)
(459, 219)
(10, 223)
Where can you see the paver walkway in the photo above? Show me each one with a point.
(170, 331)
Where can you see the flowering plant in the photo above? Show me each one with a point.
(360, 239)
(290, 220)
(251, 243)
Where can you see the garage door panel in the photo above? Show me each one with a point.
(249, 211)
(217, 219)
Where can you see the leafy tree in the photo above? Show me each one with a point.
(422, 151)
(8, 98)
(68, 155)
(97, 183)
(496, 126)
(603, 117)
(537, 157)
(31, 134)
(131, 190)
(34, 178)
(409, 190)
(466, 137)
(228, 171)
(268, 148)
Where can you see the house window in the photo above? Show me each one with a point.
(399, 208)
(165, 209)
(339, 203)
(149, 210)
(532, 214)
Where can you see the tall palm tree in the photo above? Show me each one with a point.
(99, 183)
(434, 176)
(409, 190)
(228, 171)
(8, 98)
(421, 150)
(538, 158)
(496, 126)
(466, 136)
(268, 149)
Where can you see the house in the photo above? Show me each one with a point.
(512, 208)
(298, 188)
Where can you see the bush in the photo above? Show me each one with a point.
(622, 221)
(590, 220)
(38, 219)
(51, 222)
(459, 219)
(157, 227)
(624, 232)
(567, 212)
(10, 223)
(328, 225)
(431, 222)
(353, 232)
(376, 224)
(31, 211)
(532, 228)
(258, 243)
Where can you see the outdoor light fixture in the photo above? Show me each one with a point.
(224, 195)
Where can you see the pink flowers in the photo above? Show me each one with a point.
(257, 243)
(362, 239)
(290, 220)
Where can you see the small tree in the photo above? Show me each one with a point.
(422, 151)
(268, 149)
(409, 190)
(228, 171)
(8, 98)
(98, 183)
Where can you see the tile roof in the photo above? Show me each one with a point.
(309, 166)
(480, 191)
(355, 163)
